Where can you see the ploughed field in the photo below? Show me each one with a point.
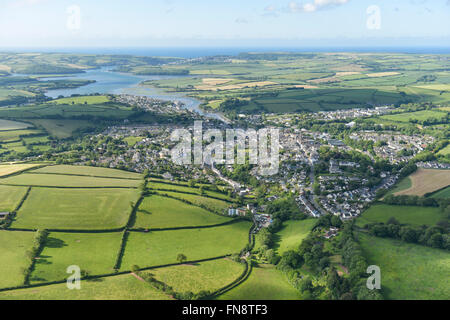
(108, 223)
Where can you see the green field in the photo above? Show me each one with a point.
(209, 275)
(61, 129)
(442, 194)
(265, 283)
(6, 125)
(445, 151)
(76, 208)
(95, 253)
(89, 171)
(161, 212)
(293, 233)
(15, 135)
(182, 188)
(418, 115)
(10, 197)
(210, 203)
(162, 247)
(57, 180)
(81, 100)
(413, 215)
(408, 271)
(13, 246)
(122, 287)
(404, 184)
(7, 169)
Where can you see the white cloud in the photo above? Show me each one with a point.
(315, 5)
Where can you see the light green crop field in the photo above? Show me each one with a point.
(13, 246)
(13, 125)
(95, 253)
(404, 214)
(7, 169)
(61, 128)
(418, 115)
(182, 188)
(162, 247)
(89, 171)
(161, 212)
(14, 135)
(445, 151)
(122, 287)
(76, 208)
(209, 275)
(10, 197)
(293, 233)
(81, 100)
(57, 180)
(408, 271)
(210, 203)
(442, 194)
(265, 283)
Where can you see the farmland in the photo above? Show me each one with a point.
(399, 260)
(88, 171)
(75, 208)
(442, 194)
(7, 169)
(293, 233)
(10, 197)
(209, 203)
(162, 247)
(265, 283)
(404, 214)
(6, 125)
(161, 212)
(426, 181)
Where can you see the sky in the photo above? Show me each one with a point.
(184, 23)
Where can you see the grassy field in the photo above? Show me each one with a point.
(89, 171)
(212, 204)
(13, 246)
(182, 188)
(81, 100)
(265, 283)
(61, 129)
(13, 125)
(408, 271)
(442, 194)
(122, 287)
(293, 233)
(418, 115)
(445, 151)
(95, 253)
(209, 275)
(76, 208)
(162, 247)
(10, 197)
(404, 214)
(425, 181)
(56, 180)
(15, 135)
(7, 169)
(404, 184)
(161, 212)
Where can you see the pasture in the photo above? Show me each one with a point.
(122, 287)
(61, 180)
(182, 188)
(210, 203)
(426, 181)
(13, 247)
(408, 271)
(61, 129)
(89, 171)
(293, 233)
(265, 283)
(442, 194)
(162, 247)
(404, 184)
(6, 125)
(161, 212)
(10, 197)
(81, 100)
(92, 252)
(7, 169)
(208, 275)
(76, 208)
(418, 115)
(413, 215)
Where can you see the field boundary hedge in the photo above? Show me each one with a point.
(187, 227)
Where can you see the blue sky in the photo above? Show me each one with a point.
(140, 23)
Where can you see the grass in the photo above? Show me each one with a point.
(404, 184)
(161, 212)
(162, 247)
(265, 283)
(15, 135)
(89, 171)
(76, 208)
(7, 169)
(56, 180)
(13, 125)
(95, 253)
(442, 194)
(122, 287)
(13, 246)
(182, 188)
(61, 129)
(418, 115)
(293, 233)
(212, 204)
(445, 151)
(10, 197)
(426, 181)
(404, 214)
(209, 275)
(408, 271)
(81, 100)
